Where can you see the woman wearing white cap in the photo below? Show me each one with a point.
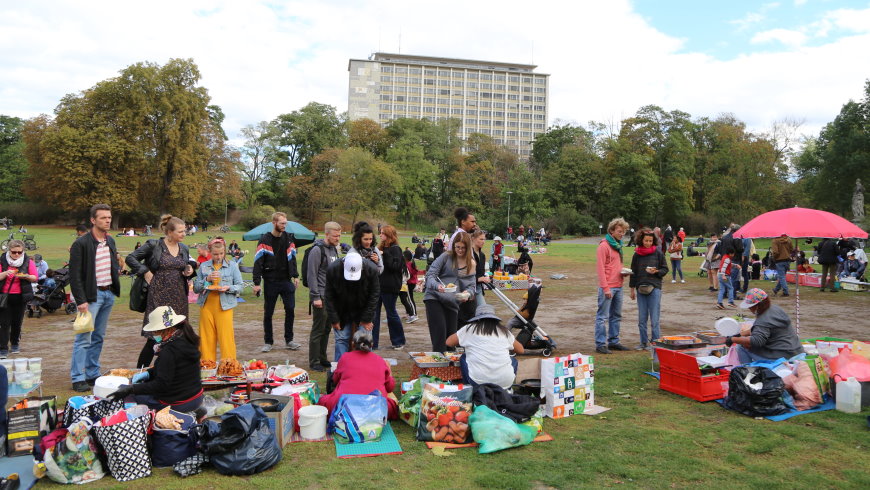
(174, 380)
(771, 335)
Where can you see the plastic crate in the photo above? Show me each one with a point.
(701, 388)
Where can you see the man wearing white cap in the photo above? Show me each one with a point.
(351, 297)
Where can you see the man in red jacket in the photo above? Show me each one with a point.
(610, 278)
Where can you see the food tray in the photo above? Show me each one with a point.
(666, 345)
(428, 364)
(711, 337)
(511, 283)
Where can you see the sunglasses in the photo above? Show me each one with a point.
(13, 252)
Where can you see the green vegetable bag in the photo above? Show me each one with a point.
(495, 432)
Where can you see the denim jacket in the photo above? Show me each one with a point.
(230, 276)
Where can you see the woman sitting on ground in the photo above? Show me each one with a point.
(771, 336)
(361, 372)
(174, 380)
(487, 344)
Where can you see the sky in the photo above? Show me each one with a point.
(762, 62)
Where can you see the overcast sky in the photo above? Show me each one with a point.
(799, 59)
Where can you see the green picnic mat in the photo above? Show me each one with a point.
(388, 444)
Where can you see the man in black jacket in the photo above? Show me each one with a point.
(351, 297)
(93, 277)
(275, 261)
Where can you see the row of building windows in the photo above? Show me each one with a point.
(461, 84)
(470, 75)
(459, 111)
(467, 93)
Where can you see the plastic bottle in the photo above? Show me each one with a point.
(849, 396)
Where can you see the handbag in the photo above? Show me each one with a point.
(139, 294)
(4, 297)
(677, 255)
(645, 289)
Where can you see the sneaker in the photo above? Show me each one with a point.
(3, 354)
(776, 292)
(641, 347)
(832, 290)
(720, 306)
(91, 381)
(673, 281)
(318, 368)
(266, 348)
(711, 289)
(326, 364)
(786, 294)
(16, 350)
(398, 347)
(413, 319)
(81, 386)
(602, 350)
(617, 347)
(293, 345)
(682, 281)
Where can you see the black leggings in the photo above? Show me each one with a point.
(407, 298)
(147, 354)
(442, 323)
(11, 318)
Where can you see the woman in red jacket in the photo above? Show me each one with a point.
(361, 372)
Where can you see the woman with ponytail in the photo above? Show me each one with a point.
(166, 266)
(360, 372)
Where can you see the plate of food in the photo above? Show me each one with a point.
(432, 359)
(450, 288)
(213, 288)
(626, 271)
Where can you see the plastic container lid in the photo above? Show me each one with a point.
(727, 326)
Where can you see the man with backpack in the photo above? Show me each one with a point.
(314, 264)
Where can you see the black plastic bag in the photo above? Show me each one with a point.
(242, 444)
(755, 391)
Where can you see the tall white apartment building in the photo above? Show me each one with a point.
(507, 101)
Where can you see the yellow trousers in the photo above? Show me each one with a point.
(216, 327)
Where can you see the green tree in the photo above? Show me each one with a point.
(548, 146)
(260, 154)
(362, 182)
(369, 135)
(139, 141)
(416, 178)
(305, 133)
(12, 159)
(440, 144)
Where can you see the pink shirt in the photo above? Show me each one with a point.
(360, 373)
(13, 284)
(609, 266)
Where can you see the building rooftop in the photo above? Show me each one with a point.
(454, 62)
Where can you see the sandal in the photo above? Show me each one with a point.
(732, 305)
(720, 306)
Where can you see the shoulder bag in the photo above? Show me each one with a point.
(139, 294)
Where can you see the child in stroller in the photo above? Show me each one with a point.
(531, 336)
(51, 294)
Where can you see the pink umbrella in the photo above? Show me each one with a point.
(799, 223)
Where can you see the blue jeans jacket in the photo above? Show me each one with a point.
(230, 276)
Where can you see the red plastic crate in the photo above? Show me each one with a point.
(679, 373)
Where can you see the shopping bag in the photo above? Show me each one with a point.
(83, 323)
(444, 413)
(72, 458)
(89, 407)
(567, 385)
(126, 447)
(358, 418)
(848, 365)
(819, 368)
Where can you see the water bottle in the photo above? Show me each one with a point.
(849, 396)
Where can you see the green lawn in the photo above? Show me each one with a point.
(650, 438)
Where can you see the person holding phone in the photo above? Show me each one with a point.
(648, 267)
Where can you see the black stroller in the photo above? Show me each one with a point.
(531, 336)
(51, 299)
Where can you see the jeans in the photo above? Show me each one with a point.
(725, 285)
(781, 270)
(676, 266)
(88, 346)
(610, 312)
(746, 356)
(394, 323)
(287, 291)
(343, 338)
(744, 264)
(463, 367)
(735, 278)
(649, 306)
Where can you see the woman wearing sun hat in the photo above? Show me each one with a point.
(771, 336)
(174, 380)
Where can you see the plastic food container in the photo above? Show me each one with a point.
(34, 364)
(20, 365)
(24, 380)
(207, 373)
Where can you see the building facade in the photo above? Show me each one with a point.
(506, 101)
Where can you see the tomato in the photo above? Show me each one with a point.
(430, 415)
(453, 409)
(462, 417)
(445, 418)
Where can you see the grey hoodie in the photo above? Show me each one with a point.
(317, 264)
(772, 335)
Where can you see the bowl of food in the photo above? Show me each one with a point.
(463, 296)
(207, 369)
(450, 288)
(267, 404)
(626, 271)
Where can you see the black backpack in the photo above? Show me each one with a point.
(305, 261)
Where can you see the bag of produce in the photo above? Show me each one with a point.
(409, 403)
(358, 418)
(444, 413)
(495, 432)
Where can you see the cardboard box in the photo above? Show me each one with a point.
(281, 422)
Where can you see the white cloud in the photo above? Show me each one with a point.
(788, 37)
(261, 59)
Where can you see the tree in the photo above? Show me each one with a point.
(12, 159)
(259, 154)
(416, 179)
(305, 133)
(139, 141)
(547, 147)
(440, 144)
(362, 182)
(368, 135)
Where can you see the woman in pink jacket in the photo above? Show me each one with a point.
(610, 278)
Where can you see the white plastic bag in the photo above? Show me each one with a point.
(84, 323)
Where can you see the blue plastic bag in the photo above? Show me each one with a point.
(358, 418)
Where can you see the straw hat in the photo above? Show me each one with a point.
(162, 318)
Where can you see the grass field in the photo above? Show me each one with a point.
(649, 439)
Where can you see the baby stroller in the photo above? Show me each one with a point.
(531, 336)
(52, 298)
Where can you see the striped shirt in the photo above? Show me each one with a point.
(103, 264)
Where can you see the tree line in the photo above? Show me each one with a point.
(150, 141)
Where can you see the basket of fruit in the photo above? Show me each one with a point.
(255, 370)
